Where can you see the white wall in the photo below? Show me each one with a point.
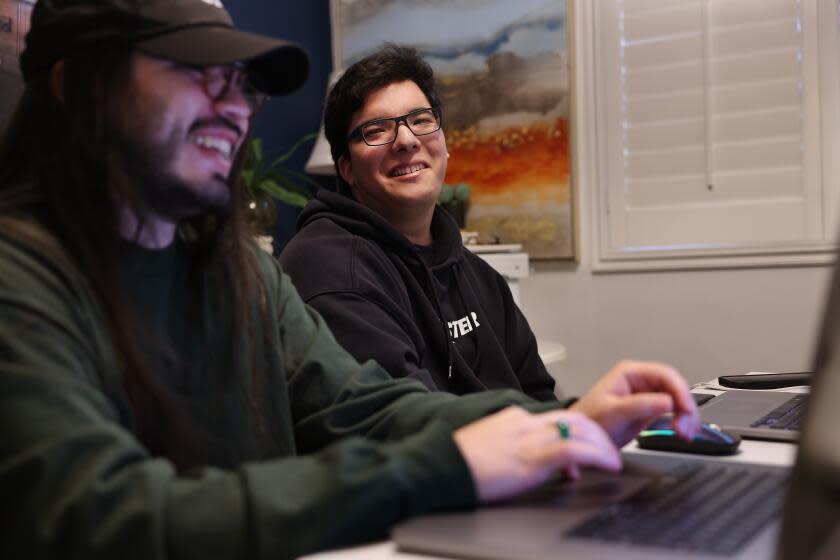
(706, 323)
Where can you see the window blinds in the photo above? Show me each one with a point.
(711, 111)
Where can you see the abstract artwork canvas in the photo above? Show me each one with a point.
(503, 72)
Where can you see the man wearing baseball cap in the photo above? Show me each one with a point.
(164, 393)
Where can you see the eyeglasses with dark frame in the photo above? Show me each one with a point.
(379, 132)
(217, 81)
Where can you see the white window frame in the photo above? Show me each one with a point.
(596, 175)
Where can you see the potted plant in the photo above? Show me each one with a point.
(268, 182)
(455, 199)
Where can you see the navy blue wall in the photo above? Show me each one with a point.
(284, 120)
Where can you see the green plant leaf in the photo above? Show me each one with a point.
(274, 179)
(291, 151)
(249, 183)
(294, 188)
(282, 194)
(304, 177)
(257, 152)
(462, 192)
(282, 181)
(446, 194)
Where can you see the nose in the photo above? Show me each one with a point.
(405, 140)
(234, 106)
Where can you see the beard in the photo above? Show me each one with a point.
(147, 164)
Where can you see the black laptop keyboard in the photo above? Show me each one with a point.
(789, 416)
(707, 508)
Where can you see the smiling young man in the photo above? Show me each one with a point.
(384, 264)
(400, 182)
(164, 392)
(180, 142)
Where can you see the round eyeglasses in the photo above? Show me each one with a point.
(219, 79)
(379, 132)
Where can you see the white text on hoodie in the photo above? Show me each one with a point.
(464, 325)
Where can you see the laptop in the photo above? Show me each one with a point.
(770, 415)
(665, 506)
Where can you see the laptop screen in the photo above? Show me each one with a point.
(811, 526)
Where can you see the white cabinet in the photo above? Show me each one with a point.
(512, 263)
(508, 260)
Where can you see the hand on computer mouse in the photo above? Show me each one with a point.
(710, 440)
(633, 394)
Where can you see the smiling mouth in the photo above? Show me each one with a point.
(224, 147)
(400, 171)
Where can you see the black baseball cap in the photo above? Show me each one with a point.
(192, 32)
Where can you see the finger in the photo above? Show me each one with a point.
(646, 376)
(643, 407)
(686, 415)
(583, 429)
(563, 454)
(545, 429)
(643, 376)
(579, 427)
(686, 425)
(572, 472)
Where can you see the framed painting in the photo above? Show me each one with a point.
(503, 72)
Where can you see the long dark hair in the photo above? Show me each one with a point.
(57, 162)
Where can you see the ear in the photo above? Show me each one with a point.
(345, 167)
(57, 81)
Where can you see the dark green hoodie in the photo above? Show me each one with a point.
(349, 450)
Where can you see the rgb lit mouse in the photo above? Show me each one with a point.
(710, 440)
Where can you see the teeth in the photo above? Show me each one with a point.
(221, 145)
(406, 170)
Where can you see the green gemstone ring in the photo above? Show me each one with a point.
(563, 429)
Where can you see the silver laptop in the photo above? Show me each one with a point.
(769, 415)
(666, 506)
(596, 518)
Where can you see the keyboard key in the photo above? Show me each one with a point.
(788, 416)
(714, 509)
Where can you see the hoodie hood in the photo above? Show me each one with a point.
(360, 220)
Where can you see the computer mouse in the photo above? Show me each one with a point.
(711, 440)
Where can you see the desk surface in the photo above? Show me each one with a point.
(750, 451)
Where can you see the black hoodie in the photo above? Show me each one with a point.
(438, 314)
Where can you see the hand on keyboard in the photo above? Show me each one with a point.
(513, 450)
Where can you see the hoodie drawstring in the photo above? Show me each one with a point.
(434, 297)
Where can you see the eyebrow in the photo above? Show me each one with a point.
(375, 119)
